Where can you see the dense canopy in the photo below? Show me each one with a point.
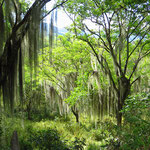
(98, 69)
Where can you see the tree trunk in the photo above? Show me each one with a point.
(29, 110)
(123, 92)
(76, 113)
(119, 114)
(14, 141)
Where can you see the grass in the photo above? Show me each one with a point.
(97, 136)
(64, 132)
(69, 130)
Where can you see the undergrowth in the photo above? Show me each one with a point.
(63, 133)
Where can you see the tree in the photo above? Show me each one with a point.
(19, 23)
(119, 39)
(73, 76)
(67, 74)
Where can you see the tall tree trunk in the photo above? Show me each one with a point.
(118, 113)
(123, 92)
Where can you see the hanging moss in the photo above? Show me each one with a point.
(2, 33)
(17, 30)
(51, 37)
(21, 77)
(56, 29)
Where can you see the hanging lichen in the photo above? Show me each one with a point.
(2, 33)
(51, 37)
(20, 27)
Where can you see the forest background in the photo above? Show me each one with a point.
(85, 89)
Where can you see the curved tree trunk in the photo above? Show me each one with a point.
(76, 113)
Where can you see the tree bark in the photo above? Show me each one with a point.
(29, 110)
(14, 141)
(124, 91)
(76, 114)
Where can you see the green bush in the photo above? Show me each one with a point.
(136, 131)
(93, 147)
(99, 135)
(45, 139)
(78, 144)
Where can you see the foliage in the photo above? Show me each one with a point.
(78, 144)
(92, 69)
(135, 132)
(118, 40)
(136, 104)
(30, 133)
(106, 132)
(136, 113)
(47, 139)
(69, 71)
(68, 58)
(80, 93)
(93, 147)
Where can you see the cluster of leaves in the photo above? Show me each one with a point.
(68, 57)
(49, 139)
(71, 58)
(80, 93)
(135, 132)
(42, 135)
(107, 134)
(136, 104)
(78, 144)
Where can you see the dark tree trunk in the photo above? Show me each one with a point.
(123, 92)
(119, 114)
(15, 141)
(76, 113)
(29, 110)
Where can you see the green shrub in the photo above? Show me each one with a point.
(93, 147)
(78, 144)
(136, 131)
(25, 144)
(45, 139)
(98, 135)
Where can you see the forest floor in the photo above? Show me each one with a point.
(86, 135)
(55, 132)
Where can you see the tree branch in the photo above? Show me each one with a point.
(106, 47)
(135, 80)
(145, 54)
(37, 4)
(138, 33)
(138, 43)
(2, 3)
(96, 3)
(134, 67)
(137, 26)
(16, 11)
(53, 9)
(106, 69)
(120, 35)
(127, 59)
(55, 81)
